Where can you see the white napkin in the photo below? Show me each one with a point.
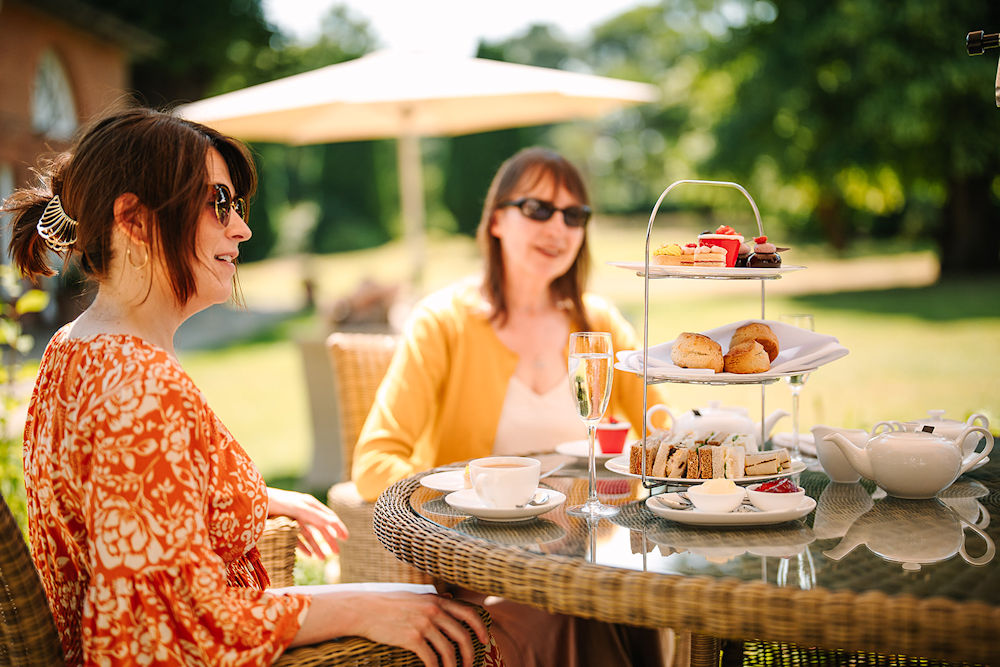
(799, 349)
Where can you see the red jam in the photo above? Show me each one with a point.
(760, 239)
(778, 486)
(725, 229)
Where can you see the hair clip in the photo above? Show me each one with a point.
(55, 227)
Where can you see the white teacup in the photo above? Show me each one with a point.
(834, 463)
(504, 482)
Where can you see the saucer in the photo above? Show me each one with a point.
(578, 449)
(468, 502)
(753, 518)
(449, 480)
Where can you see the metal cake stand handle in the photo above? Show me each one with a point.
(645, 301)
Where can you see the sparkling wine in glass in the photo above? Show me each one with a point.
(591, 365)
(795, 382)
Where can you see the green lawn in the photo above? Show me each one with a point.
(918, 346)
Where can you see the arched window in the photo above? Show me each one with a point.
(53, 111)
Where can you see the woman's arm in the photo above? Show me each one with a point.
(422, 623)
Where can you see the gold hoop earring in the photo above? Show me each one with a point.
(128, 258)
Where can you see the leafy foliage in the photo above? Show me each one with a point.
(15, 302)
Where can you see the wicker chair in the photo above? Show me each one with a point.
(28, 636)
(277, 549)
(27, 631)
(359, 363)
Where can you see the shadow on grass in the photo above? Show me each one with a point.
(950, 299)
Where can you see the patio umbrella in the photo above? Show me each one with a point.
(406, 95)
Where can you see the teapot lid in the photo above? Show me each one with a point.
(937, 416)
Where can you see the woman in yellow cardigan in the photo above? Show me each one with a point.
(481, 370)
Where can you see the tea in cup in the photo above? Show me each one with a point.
(504, 482)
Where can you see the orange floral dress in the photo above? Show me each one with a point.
(144, 512)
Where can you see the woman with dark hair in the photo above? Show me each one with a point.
(143, 511)
(481, 371)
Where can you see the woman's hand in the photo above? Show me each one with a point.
(422, 623)
(318, 522)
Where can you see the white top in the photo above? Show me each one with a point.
(531, 422)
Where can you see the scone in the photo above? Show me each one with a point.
(746, 357)
(693, 350)
(759, 332)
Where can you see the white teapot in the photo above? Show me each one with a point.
(716, 418)
(833, 461)
(950, 428)
(912, 464)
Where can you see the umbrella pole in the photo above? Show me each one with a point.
(411, 190)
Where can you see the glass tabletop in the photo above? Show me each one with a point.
(855, 539)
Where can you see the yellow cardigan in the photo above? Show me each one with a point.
(441, 398)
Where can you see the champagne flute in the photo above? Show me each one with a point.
(795, 382)
(590, 371)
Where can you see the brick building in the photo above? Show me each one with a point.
(61, 62)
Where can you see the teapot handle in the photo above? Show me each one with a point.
(890, 426)
(990, 546)
(975, 457)
(659, 407)
(978, 417)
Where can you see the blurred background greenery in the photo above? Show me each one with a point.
(869, 139)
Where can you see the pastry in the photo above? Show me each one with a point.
(707, 255)
(743, 254)
(765, 255)
(692, 350)
(668, 254)
(759, 332)
(687, 254)
(746, 357)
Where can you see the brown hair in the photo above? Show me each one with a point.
(155, 155)
(527, 167)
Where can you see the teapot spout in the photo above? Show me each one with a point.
(860, 459)
(844, 547)
(770, 421)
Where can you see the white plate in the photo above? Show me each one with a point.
(699, 518)
(578, 449)
(660, 271)
(449, 480)
(801, 351)
(468, 502)
(619, 465)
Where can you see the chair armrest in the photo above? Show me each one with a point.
(358, 652)
(277, 550)
(362, 556)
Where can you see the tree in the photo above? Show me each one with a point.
(876, 116)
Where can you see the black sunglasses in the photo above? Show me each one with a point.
(224, 202)
(541, 210)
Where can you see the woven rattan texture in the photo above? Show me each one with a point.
(936, 628)
(277, 550)
(359, 362)
(27, 632)
(362, 556)
(358, 652)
